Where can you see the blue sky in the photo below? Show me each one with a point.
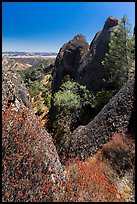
(46, 26)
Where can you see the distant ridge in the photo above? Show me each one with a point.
(15, 53)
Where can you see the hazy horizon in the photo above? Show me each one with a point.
(27, 51)
(46, 26)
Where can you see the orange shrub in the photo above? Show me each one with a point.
(89, 183)
(24, 142)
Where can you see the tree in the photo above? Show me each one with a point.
(100, 100)
(131, 56)
(116, 63)
(130, 44)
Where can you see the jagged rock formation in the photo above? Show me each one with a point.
(92, 71)
(83, 62)
(117, 114)
(12, 86)
(69, 59)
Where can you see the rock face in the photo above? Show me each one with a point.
(12, 86)
(31, 167)
(92, 70)
(99, 44)
(83, 62)
(69, 59)
(119, 113)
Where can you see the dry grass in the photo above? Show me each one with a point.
(99, 178)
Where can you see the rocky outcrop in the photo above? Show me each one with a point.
(68, 60)
(92, 71)
(116, 115)
(83, 62)
(12, 86)
(31, 167)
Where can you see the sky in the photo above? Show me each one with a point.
(46, 26)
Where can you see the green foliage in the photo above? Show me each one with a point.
(26, 76)
(47, 100)
(33, 74)
(72, 97)
(39, 107)
(34, 88)
(116, 63)
(32, 79)
(131, 56)
(132, 49)
(45, 92)
(71, 107)
(67, 100)
(41, 66)
(36, 75)
(101, 99)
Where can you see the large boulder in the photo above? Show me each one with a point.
(68, 60)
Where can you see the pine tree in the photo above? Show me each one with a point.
(131, 55)
(116, 62)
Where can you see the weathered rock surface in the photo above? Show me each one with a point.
(99, 44)
(31, 167)
(12, 86)
(69, 59)
(30, 160)
(92, 71)
(83, 62)
(117, 114)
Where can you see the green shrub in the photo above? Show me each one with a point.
(67, 101)
(36, 75)
(72, 97)
(34, 88)
(71, 107)
(47, 100)
(26, 76)
(39, 107)
(101, 99)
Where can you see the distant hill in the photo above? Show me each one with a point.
(28, 58)
(15, 53)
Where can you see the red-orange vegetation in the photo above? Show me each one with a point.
(22, 167)
(93, 180)
(89, 183)
(90, 180)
